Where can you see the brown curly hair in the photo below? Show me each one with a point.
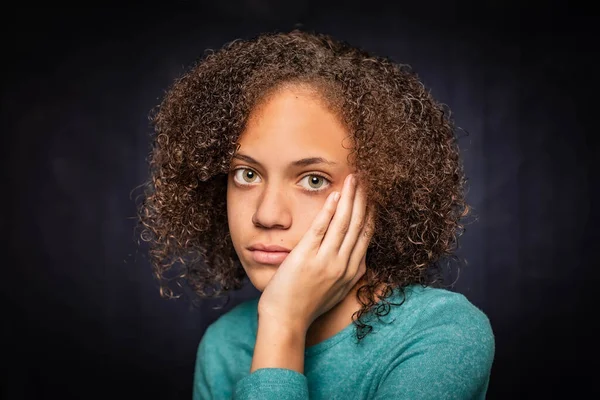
(404, 147)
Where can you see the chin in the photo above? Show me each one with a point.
(261, 276)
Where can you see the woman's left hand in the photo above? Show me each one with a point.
(327, 262)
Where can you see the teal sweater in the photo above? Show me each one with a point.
(436, 345)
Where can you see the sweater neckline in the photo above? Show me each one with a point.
(346, 332)
(329, 342)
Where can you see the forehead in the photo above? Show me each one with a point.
(294, 123)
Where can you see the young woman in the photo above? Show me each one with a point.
(332, 180)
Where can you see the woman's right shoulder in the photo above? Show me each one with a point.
(239, 323)
(224, 354)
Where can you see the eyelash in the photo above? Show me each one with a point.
(314, 191)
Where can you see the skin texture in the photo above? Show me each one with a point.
(277, 207)
(401, 143)
(276, 202)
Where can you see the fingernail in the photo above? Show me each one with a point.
(336, 196)
(352, 180)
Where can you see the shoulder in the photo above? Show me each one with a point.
(450, 318)
(448, 303)
(224, 351)
(440, 315)
(441, 305)
(237, 324)
(439, 344)
(241, 319)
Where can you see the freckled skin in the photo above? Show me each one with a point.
(275, 207)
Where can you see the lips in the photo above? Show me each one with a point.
(268, 254)
(264, 247)
(269, 257)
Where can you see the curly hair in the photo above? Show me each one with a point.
(404, 147)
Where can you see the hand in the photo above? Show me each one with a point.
(327, 262)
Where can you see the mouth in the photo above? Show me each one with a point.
(269, 257)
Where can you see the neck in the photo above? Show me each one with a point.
(336, 319)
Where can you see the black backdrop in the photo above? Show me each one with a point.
(83, 318)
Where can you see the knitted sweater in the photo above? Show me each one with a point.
(436, 345)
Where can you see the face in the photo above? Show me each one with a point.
(290, 158)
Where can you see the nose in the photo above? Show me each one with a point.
(273, 209)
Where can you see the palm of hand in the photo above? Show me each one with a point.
(327, 262)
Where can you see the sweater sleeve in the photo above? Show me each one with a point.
(448, 355)
(272, 383)
(217, 374)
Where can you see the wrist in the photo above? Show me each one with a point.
(288, 330)
(278, 345)
(290, 327)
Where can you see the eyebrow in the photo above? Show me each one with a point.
(299, 163)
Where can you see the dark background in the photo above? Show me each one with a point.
(82, 314)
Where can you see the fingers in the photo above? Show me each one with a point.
(320, 225)
(340, 224)
(356, 223)
(360, 271)
(360, 249)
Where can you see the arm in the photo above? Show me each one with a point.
(448, 354)
(277, 364)
(438, 371)
(278, 346)
(225, 355)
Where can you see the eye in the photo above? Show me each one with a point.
(245, 176)
(316, 183)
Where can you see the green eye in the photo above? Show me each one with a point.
(249, 175)
(316, 183)
(245, 176)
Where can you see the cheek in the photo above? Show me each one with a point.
(306, 211)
